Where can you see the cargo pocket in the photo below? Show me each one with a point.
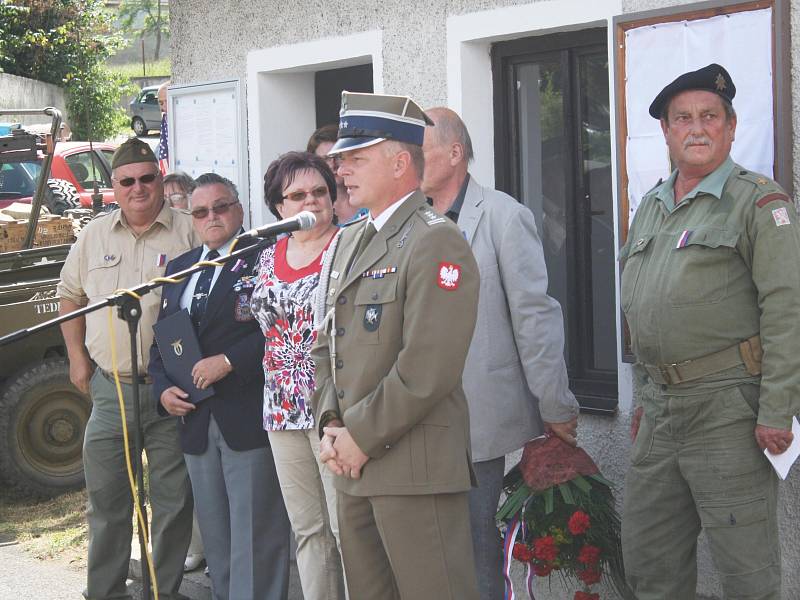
(743, 545)
(699, 270)
(631, 258)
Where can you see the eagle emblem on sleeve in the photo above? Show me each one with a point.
(449, 276)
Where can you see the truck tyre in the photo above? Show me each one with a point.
(60, 195)
(139, 127)
(42, 422)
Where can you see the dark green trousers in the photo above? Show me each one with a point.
(110, 509)
(695, 465)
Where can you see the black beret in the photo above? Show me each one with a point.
(133, 150)
(713, 78)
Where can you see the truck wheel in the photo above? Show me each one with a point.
(42, 422)
(138, 126)
(60, 195)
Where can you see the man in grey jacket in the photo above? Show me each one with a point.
(515, 378)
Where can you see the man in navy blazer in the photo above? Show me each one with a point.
(515, 378)
(237, 496)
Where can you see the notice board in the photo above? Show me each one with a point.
(208, 133)
(750, 39)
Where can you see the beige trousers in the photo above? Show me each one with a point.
(310, 499)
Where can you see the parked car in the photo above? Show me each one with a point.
(145, 112)
(72, 176)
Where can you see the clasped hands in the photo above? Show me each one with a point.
(340, 453)
(205, 372)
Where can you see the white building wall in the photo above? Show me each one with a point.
(437, 51)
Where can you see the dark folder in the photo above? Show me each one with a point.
(177, 342)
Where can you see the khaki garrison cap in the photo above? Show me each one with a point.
(367, 119)
(131, 151)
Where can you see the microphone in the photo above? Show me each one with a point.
(301, 221)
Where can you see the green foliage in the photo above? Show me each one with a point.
(145, 17)
(93, 102)
(65, 42)
(159, 68)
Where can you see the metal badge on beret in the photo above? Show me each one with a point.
(712, 78)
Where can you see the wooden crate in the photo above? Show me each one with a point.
(49, 232)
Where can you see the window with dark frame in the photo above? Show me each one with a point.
(553, 154)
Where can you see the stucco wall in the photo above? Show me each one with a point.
(21, 92)
(211, 40)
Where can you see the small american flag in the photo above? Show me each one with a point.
(163, 148)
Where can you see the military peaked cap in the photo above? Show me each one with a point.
(131, 151)
(367, 119)
(712, 78)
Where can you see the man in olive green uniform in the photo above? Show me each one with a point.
(118, 250)
(398, 300)
(711, 292)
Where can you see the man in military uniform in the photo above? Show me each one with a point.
(398, 294)
(118, 250)
(711, 292)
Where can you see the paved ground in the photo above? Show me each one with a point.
(23, 577)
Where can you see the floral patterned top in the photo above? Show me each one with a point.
(282, 304)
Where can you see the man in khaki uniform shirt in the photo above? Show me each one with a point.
(398, 294)
(711, 292)
(119, 250)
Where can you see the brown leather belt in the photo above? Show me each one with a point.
(747, 353)
(127, 379)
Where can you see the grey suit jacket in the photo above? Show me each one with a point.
(515, 375)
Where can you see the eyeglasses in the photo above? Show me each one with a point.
(145, 179)
(300, 195)
(177, 198)
(217, 209)
(333, 161)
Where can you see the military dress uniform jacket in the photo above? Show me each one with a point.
(515, 374)
(402, 321)
(227, 327)
(713, 272)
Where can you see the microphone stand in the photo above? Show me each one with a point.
(129, 309)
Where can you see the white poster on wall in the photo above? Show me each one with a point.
(208, 133)
(656, 54)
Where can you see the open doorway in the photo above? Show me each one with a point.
(328, 87)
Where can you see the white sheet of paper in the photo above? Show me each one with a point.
(783, 462)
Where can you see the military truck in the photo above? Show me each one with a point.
(42, 415)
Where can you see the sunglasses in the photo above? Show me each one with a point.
(300, 195)
(217, 209)
(144, 179)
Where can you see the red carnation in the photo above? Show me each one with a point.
(545, 549)
(589, 555)
(589, 576)
(542, 570)
(578, 523)
(522, 552)
(586, 596)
